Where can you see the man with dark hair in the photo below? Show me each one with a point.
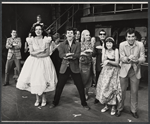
(69, 52)
(131, 56)
(13, 44)
(97, 52)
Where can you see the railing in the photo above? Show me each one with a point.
(103, 9)
(57, 24)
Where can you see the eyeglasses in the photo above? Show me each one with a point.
(102, 34)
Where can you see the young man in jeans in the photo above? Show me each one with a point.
(69, 51)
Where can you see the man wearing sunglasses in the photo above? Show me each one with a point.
(97, 52)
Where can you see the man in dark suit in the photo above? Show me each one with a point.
(97, 52)
(69, 51)
(13, 44)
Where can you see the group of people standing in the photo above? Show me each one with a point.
(86, 59)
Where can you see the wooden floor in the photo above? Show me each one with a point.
(17, 105)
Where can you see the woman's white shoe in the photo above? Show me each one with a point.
(104, 109)
(113, 111)
(36, 103)
(43, 103)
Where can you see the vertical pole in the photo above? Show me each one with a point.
(73, 16)
(16, 18)
(141, 7)
(115, 8)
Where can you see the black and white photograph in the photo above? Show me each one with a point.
(74, 62)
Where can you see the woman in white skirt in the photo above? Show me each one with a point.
(38, 74)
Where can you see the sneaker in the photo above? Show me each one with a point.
(113, 111)
(104, 109)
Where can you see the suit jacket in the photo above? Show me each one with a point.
(73, 63)
(97, 53)
(125, 51)
(15, 50)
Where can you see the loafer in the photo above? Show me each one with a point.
(96, 101)
(134, 114)
(52, 106)
(118, 113)
(86, 107)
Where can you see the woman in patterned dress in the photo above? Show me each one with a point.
(86, 61)
(38, 73)
(108, 89)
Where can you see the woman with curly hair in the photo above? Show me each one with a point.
(38, 73)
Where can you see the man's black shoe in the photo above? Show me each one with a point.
(6, 84)
(118, 113)
(96, 101)
(52, 106)
(86, 107)
(135, 115)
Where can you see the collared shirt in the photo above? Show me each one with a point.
(130, 48)
(69, 47)
(125, 50)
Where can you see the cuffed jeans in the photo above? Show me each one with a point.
(134, 85)
(62, 81)
(9, 65)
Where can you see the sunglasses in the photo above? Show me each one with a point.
(102, 34)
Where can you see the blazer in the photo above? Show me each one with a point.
(73, 64)
(15, 50)
(125, 51)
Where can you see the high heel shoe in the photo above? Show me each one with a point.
(104, 109)
(37, 103)
(43, 103)
(113, 111)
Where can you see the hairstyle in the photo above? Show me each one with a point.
(39, 16)
(83, 35)
(70, 29)
(42, 27)
(102, 31)
(130, 31)
(110, 39)
(13, 30)
(76, 31)
(56, 36)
